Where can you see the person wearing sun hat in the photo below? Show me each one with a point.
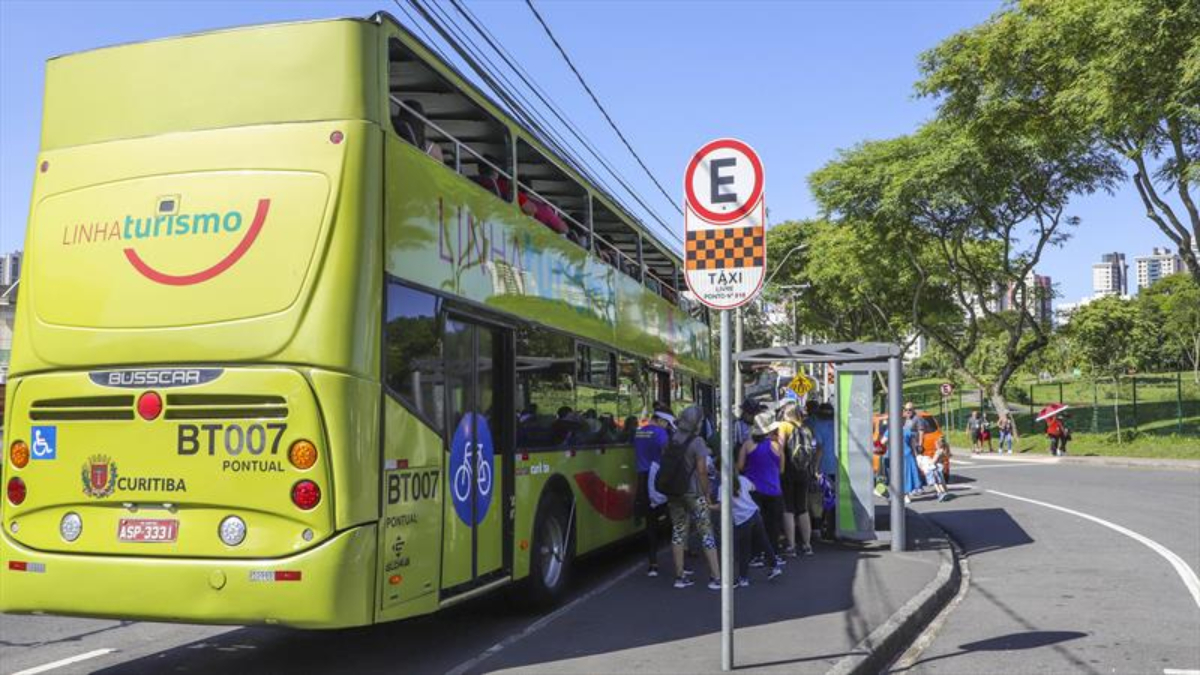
(761, 460)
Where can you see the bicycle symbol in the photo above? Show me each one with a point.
(462, 475)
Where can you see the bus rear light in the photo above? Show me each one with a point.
(232, 530)
(149, 405)
(336, 137)
(16, 491)
(22, 566)
(71, 526)
(18, 453)
(302, 454)
(306, 495)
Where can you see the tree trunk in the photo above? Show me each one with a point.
(996, 394)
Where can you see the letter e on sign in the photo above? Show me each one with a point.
(725, 224)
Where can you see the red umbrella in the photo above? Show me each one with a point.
(1050, 411)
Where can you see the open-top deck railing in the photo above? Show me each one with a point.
(594, 242)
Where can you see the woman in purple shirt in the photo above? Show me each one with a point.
(760, 459)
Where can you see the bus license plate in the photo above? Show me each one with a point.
(148, 530)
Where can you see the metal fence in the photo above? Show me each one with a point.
(1155, 403)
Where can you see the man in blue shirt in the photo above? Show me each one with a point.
(648, 445)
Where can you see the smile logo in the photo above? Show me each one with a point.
(168, 222)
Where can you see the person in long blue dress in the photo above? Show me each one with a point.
(912, 474)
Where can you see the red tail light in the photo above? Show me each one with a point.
(16, 491)
(149, 405)
(306, 495)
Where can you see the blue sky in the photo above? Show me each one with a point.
(797, 80)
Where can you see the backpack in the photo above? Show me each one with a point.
(801, 450)
(674, 477)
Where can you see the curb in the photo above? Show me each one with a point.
(1097, 460)
(875, 652)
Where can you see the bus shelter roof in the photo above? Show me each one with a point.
(836, 352)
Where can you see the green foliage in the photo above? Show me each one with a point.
(1113, 336)
(1115, 81)
(1174, 303)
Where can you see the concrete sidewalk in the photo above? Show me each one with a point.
(817, 616)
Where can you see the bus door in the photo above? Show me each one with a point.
(478, 451)
(660, 380)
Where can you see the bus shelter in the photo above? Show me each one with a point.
(855, 365)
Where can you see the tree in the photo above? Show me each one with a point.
(1121, 77)
(1174, 302)
(970, 213)
(852, 293)
(1113, 336)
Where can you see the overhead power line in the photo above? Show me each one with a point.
(566, 122)
(596, 100)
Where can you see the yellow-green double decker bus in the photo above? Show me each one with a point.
(311, 332)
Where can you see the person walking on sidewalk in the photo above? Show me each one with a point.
(1059, 434)
(748, 531)
(683, 479)
(975, 432)
(648, 445)
(761, 460)
(1008, 432)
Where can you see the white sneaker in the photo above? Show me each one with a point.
(714, 584)
(681, 582)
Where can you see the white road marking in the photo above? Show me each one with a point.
(64, 662)
(1176, 671)
(1186, 573)
(541, 623)
(1006, 465)
(961, 462)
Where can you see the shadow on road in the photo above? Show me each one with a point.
(1033, 639)
(981, 530)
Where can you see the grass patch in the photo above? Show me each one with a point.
(1134, 444)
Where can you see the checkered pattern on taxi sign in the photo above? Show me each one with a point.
(724, 248)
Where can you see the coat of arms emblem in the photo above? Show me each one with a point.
(99, 476)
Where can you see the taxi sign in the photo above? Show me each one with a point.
(725, 224)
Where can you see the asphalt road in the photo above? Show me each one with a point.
(1055, 592)
(1049, 592)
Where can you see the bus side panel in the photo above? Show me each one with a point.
(350, 411)
(410, 539)
(603, 484)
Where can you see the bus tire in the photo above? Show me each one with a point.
(551, 554)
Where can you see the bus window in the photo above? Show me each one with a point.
(430, 113)
(413, 351)
(551, 196)
(616, 242)
(545, 388)
(631, 402)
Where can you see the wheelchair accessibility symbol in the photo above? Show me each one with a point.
(472, 462)
(45, 443)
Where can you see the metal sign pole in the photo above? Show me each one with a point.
(727, 478)
(739, 387)
(895, 447)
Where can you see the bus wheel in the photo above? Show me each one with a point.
(550, 562)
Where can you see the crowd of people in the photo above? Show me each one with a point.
(785, 472)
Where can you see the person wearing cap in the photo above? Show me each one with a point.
(648, 445)
(745, 421)
(690, 510)
(761, 460)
